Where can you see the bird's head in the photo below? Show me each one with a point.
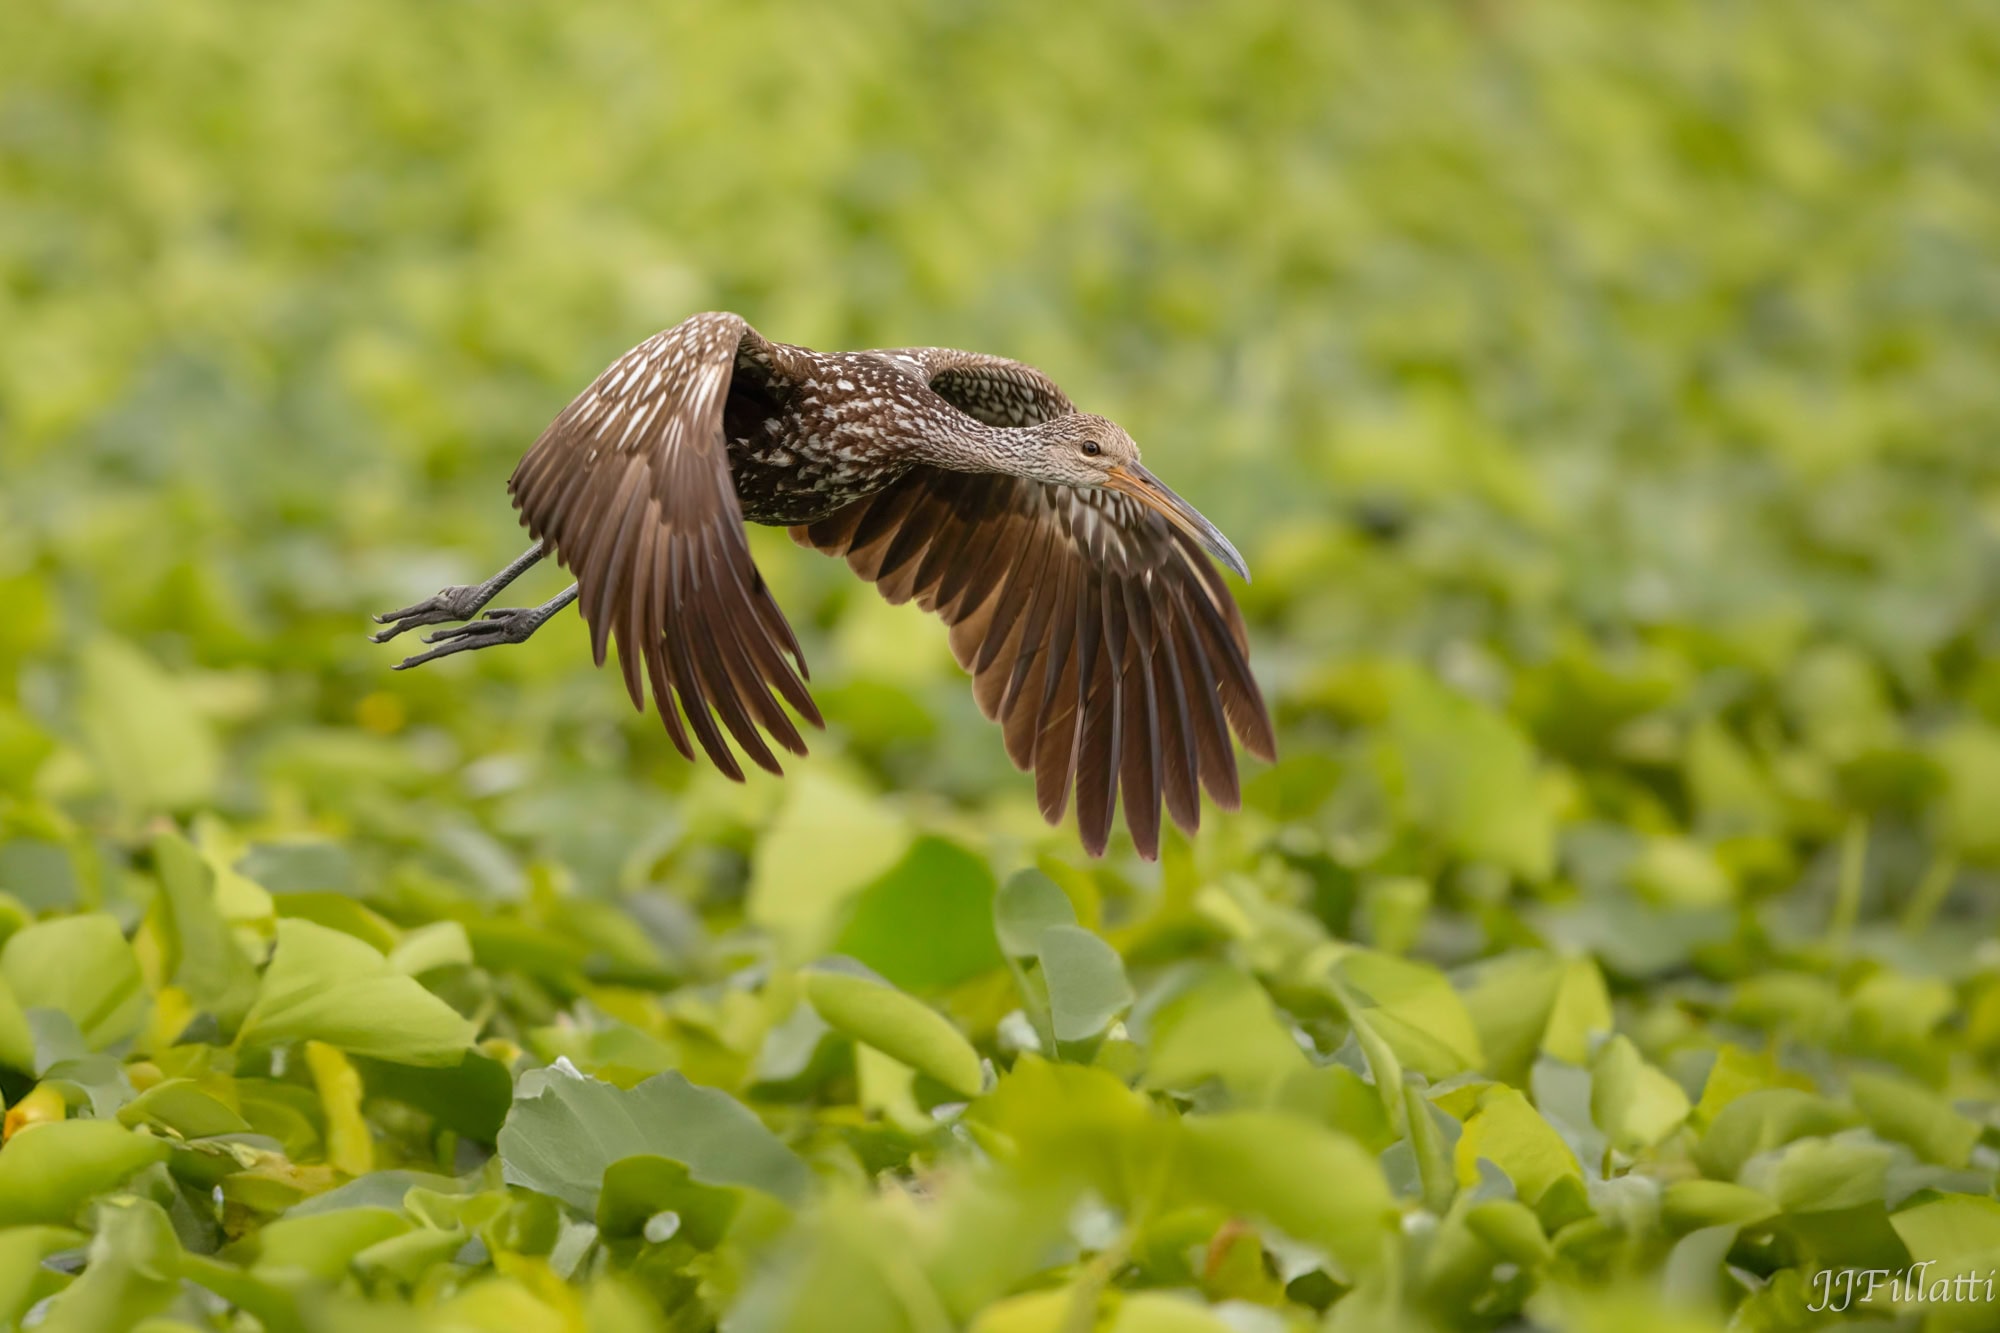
(1089, 451)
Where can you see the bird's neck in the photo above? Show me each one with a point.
(970, 445)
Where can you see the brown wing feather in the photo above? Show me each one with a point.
(630, 486)
(1105, 649)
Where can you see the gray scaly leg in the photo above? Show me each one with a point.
(512, 624)
(461, 602)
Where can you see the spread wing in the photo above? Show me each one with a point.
(631, 489)
(1099, 636)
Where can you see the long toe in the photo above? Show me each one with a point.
(505, 625)
(440, 608)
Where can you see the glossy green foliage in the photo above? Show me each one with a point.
(1606, 398)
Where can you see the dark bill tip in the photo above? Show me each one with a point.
(1149, 490)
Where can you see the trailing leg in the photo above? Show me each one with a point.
(461, 602)
(511, 624)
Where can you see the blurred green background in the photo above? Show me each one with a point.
(1606, 398)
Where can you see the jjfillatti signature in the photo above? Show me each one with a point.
(1839, 1289)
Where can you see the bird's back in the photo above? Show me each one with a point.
(825, 430)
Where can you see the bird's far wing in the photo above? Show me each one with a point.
(1097, 634)
(993, 389)
(631, 489)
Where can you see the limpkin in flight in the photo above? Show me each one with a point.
(1077, 587)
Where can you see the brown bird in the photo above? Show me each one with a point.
(1077, 587)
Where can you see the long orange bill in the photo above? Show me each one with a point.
(1149, 490)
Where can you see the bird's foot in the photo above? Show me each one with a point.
(507, 624)
(510, 624)
(441, 607)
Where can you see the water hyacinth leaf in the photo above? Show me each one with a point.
(828, 842)
(350, 1147)
(638, 1189)
(321, 1244)
(1581, 1010)
(1916, 1116)
(1509, 999)
(1338, 1098)
(80, 966)
(1512, 1229)
(1957, 1232)
(47, 1173)
(565, 1129)
(469, 1098)
(202, 956)
(1085, 979)
(1158, 1312)
(1759, 1121)
(1506, 1131)
(929, 922)
(1822, 1175)
(1026, 905)
(17, 1039)
(23, 1279)
(133, 1271)
(328, 986)
(1429, 1147)
(1467, 774)
(1412, 1007)
(1690, 1205)
(154, 751)
(181, 1106)
(1692, 1275)
(1223, 1027)
(898, 1025)
(439, 944)
(1313, 1184)
(1632, 1102)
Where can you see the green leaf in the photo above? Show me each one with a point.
(439, 944)
(1086, 982)
(1690, 1205)
(928, 923)
(1158, 1312)
(1757, 1122)
(1338, 1098)
(470, 1098)
(1311, 1183)
(565, 1130)
(202, 957)
(327, 986)
(17, 1038)
(1222, 1027)
(154, 751)
(51, 1170)
(1467, 775)
(320, 1245)
(1951, 1230)
(895, 1024)
(133, 1271)
(1028, 904)
(80, 966)
(1678, 872)
(1506, 1131)
(183, 1107)
(1816, 1175)
(1633, 1103)
(828, 842)
(1412, 1008)
(23, 1279)
(638, 1189)
(1909, 1114)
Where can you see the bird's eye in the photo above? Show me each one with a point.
(1091, 448)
